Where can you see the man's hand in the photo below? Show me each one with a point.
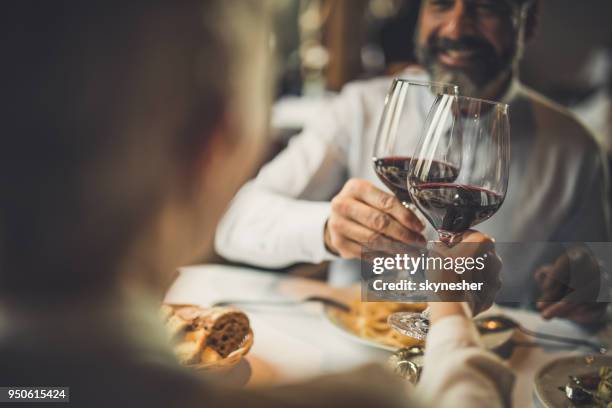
(569, 287)
(361, 213)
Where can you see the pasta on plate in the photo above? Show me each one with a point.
(368, 320)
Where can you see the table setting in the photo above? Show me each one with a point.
(447, 162)
(446, 159)
(295, 340)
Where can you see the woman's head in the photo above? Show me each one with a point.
(129, 126)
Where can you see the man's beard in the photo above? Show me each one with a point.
(474, 80)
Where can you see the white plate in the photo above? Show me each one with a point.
(554, 375)
(491, 341)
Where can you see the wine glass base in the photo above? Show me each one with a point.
(410, 324)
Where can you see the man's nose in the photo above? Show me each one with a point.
(459, 21)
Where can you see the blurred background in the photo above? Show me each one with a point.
(323, 44)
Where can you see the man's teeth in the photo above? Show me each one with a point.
(459, 54)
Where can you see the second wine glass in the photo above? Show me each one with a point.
(471, 136)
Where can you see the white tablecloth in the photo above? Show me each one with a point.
(294, 343)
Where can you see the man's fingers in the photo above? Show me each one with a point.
(374, 197)
(557, 309)
(346, 248)
(361, 213)
(540, 275)
(577, 312)
(352, 230)
(551, 295)
(552, 287)
(380, 222)
(562, 264)
(405, 216)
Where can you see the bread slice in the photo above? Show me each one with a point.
(210, 356)
(205, 334)
(227, 328)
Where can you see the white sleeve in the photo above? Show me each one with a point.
(459, 372)
(278, 218)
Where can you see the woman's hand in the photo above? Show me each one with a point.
(473, 245)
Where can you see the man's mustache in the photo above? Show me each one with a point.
(478, 45)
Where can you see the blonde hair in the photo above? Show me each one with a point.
(111, 98)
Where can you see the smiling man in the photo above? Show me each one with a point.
(320, 198)
(474, 44)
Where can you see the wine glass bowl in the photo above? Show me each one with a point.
(406, 108)
(458, 175)
(471, 137)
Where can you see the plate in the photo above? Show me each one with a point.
(554, 375)
(491, 341)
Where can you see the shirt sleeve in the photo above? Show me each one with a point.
(458, 371)
(589, 218)
(278, 218)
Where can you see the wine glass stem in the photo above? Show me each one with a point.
(450, 238)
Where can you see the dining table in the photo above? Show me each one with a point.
(294, 342)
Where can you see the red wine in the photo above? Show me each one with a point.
(393, 172)
(454, 207)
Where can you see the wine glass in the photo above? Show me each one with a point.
(472, 137)
(406, 107)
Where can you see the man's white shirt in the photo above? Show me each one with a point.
(557, 187)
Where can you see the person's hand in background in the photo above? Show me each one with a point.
(361, 212)
(569, 287)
